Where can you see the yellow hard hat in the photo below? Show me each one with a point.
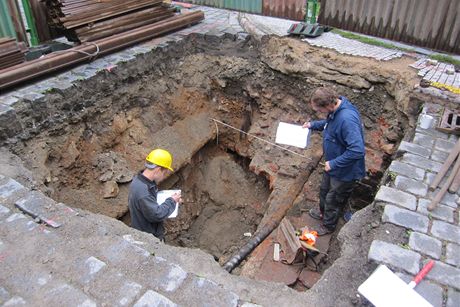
(159, 157)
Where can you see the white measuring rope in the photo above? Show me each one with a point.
(91, 55)
(260, 139)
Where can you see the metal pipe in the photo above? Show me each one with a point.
(47, 64)
(279, 204)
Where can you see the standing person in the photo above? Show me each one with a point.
(146, 214)
(343, 149)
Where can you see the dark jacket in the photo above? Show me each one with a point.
(343, 142)
(146, 214)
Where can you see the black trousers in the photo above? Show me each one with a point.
(333, 197)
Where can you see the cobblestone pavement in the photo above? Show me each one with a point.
(432, 235)
(123, 262)
(437, 72)
(352, 47)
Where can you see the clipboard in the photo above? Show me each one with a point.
(161, 197)
(293, 135)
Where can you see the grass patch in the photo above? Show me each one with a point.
(445, 59)
(370, 41)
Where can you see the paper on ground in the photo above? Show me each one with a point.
(161, 197)
(294, 135)
(384, 289)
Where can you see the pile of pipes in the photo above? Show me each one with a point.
(89, 20)
(11, 52)
(88, 51)
(452, 184)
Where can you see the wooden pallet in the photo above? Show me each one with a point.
(450, 122)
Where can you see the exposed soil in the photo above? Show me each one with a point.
(88, 160)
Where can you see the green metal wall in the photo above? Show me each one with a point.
(252, 6)
(6, 24)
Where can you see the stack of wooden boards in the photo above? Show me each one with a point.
(89, 20)
(11, 52)
(452, 184)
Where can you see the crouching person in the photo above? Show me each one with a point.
(146, 213)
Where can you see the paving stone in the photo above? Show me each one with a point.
(444, 145)
(168, 277)
(410, 185)
(441, 212)
(123, 253)
(15, 301)
(446, 231)
(448, 199)
(405, 218)
(432, 132)
(89, 268)
(453, 298)
(37, 205)
(8, 100)
(414, 149)
(394, 256)
(421, 162)
(453, 254)
(424, 140)
(453, 138)
(3, 211)
(396, 197)
(406, 170)
(66, 295)
(194, 286)
(425, 245)
(445, 274)
(430, 178)
(152, 298)
(9, 124)
(9, 188)
(4, 295)
(114, 289)
(428, 290)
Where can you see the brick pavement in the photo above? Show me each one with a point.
(352, 47)
(432, 235)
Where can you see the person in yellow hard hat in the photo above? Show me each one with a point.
(146, 214)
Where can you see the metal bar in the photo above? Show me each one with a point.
(73, 56)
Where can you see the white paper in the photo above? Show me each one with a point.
(161, 197)
(384, 289)
(294, 135)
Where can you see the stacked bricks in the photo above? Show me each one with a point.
(432, 235)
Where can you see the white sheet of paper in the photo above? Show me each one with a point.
(161, 197)
(384, 289)
(294, 135)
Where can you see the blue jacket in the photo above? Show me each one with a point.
(343, 142)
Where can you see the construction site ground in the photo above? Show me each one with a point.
(72, 142)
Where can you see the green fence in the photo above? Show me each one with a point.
(253, 6)
(6, 24)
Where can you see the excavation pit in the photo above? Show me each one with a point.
(84, 144)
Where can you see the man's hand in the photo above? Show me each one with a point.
(327, 167)
(177, 197)
(306, 125)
